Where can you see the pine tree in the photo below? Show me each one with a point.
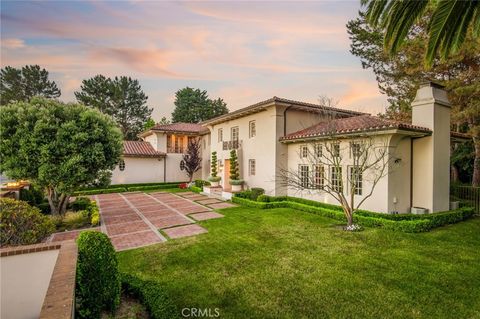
(194, 106)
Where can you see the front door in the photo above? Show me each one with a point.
(226, 175)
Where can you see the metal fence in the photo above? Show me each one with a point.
(466, 195)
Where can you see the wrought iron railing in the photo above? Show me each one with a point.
(175, 149)
(231, 145)
(466, 195)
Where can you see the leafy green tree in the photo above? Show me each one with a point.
(398, 76)
(122, 98)
(59, 147)
(164, 121)
(447, 27)
(149, 124)
(25, 83)
(194, 106)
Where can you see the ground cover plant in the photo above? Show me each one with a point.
(285, 263)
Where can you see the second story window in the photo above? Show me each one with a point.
(304, 151)
(121, 165)
(355, 149)
(303, 173)
(251, 167)
(336, 178)
(318, 150)
(252, 129)
(234, 133)
(220, 135)
(336, 150)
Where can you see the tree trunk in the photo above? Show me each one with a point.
(454, 174)
(349, 215)
(58, 202)
(476, 163)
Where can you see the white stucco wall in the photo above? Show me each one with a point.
(139, 170)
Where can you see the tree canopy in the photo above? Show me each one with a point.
(120, 97)
(194, 106)
(25, 83)
(60, 147)
(398, 76)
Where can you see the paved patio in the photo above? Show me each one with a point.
(133, 220)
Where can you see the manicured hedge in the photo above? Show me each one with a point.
(129, 185)
(151, 294)
(98, 281)
(151, 187)
(100, 191)
(410, 224)
(120, 188)
(196, 189)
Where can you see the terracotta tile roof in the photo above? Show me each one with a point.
(257, 107)
(181, 127)
(461, 136)
(140, 149)
(352, 125)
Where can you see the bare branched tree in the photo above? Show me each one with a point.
(191, 158)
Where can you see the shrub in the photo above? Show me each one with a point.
(81, 203)
(152, 295)
(98, 281)
(32, 196)
(75, 220)
(196, 189)
(200, 183)
(22, 224)
(152, 187)
(256, 191)
(100, 191)
(94, 214)
(44, 208)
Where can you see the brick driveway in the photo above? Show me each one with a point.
(133, 220)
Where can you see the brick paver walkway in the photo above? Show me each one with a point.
(133, 220)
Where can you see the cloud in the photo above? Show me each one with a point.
(12, 43)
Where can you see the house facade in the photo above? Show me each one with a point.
(271, 136)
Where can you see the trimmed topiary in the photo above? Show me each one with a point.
(22, 224)
(98, 281)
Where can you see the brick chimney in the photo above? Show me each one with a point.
(431, 154)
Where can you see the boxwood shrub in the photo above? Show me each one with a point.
(22, 224)
(152, 295)
(98, 281)
(196, 189)
(100, 191)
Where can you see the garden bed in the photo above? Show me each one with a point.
(408, 223)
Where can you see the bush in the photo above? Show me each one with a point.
(74, 220)
(200, 183)
(44, 208)
(22, 224)
(98, 281)
(32, 196)
(196, 189)
(100, 191)
(152, 295)
(94, 214)
(256, 191)
(152, 187)
(81, 203)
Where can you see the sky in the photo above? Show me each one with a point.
(243, 52)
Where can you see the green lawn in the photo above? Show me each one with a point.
(281, 263)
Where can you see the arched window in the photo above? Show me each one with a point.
(121, 165)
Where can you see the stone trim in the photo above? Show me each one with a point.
(18, 250)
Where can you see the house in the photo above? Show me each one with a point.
(271, 135)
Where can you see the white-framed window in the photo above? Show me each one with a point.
(356, 180)
(252, 129)
(121, 165)
(317, 149)
(234, 133)
(251, 167)
(220, 135)
(336, 149)
(336, 178)
(318, 176)
(355, 149)
(303, 151)
(304, 173)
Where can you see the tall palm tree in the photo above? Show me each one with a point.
(447, 28)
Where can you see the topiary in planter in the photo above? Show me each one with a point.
(98, 280)
(22, 224)
(214, 178)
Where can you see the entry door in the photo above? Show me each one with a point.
(226, 175)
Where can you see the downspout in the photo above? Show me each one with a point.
(411, 172)
(165, 169)
(285, 120)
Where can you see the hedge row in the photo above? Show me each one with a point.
(127, 185)
(196, 189)
(126, 188)
(151, 294)
(414, 225)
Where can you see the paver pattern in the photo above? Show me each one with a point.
(133, 220)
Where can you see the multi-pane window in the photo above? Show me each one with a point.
(220, 135)
(252, 129)
(304, 151)
(304, 175)
(251, 167)
(317, 148)
(355, 149)
(336, 149)
(336, 178)
(318, 176)
(234, 133)
(121, 165)
(356, 180)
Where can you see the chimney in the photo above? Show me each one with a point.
(431, 154)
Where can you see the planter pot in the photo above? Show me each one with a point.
(214, 184)
(236, 188)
